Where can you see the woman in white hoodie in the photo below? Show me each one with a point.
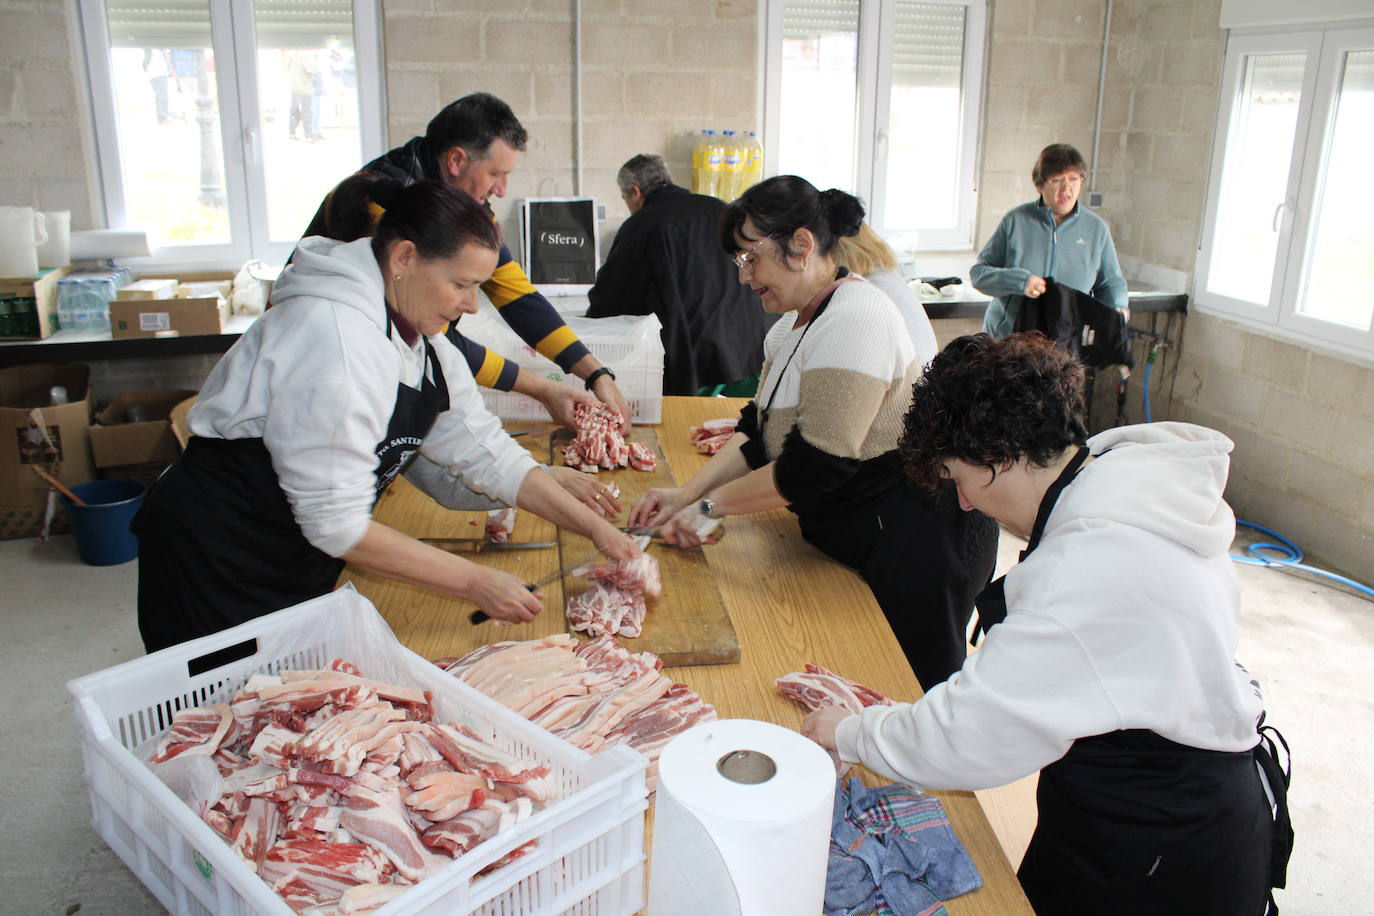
(1109, 665)
(308, 418)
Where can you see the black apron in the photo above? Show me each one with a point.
(1130, 822)
(218, 542)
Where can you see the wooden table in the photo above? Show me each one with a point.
(790, 605)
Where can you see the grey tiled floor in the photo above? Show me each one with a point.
(1312, 646)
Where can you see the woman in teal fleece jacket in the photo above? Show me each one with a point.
(1051, 236)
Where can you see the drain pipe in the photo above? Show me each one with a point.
(1101, 91)
(577, 95)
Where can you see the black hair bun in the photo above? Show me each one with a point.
(842, 212)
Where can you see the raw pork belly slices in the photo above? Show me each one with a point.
(500, 525)
(340, 791)
(817, 687)
(710, 436)
(591, 694)
(599, 443)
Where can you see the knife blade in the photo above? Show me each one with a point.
(477, 617)
(480, 545)
(641, 530)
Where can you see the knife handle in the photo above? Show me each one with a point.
(477, 617)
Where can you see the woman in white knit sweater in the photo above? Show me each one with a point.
(822, 437)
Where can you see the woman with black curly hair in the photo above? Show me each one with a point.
(822, 437)
(1111, 668)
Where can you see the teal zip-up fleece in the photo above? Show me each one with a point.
(1078, 253)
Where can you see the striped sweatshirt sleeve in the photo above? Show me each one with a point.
(530, 315)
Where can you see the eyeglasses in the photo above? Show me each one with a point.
(1060, 181)
(744, 260)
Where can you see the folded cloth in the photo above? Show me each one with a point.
(893, 851)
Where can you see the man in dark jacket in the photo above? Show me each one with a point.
(666, 260)
(473, 145)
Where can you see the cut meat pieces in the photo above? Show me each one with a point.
(195, 731)
(817, 687)
(440, 796)
(642, 458)
(376, 814)
(710, 436)
(500, 525)
(467, 752)
(599, 444)
(615, 603)
(602, 610)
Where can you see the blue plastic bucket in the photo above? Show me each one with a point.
(101, 526)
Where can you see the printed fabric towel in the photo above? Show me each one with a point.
(893, 851)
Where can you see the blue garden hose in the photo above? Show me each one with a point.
(1286, 555)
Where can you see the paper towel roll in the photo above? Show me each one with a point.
(98, 244)
(741, 848)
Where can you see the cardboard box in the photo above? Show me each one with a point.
(31, 304)
(167, 317)
(116, 442)
(150, 288)
(65, 452)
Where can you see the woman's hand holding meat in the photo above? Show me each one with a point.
(560, 400)
(820, 725)
(681, 529)
(588, 490)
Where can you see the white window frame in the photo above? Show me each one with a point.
(234, 36)
(1325, 49)
(873, 81)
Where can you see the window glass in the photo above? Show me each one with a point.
(1341, 270)
(1254, 178)
(308, 107)
(923, 148)
(167, 112)
(818, 95)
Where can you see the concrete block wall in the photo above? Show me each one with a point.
(1042, 67)
(653, 74)
(1303, 424)
(1159, 110)
(43, 153)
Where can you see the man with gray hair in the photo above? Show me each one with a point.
(666, 260)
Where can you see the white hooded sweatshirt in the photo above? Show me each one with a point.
(315, 378)
(1124, 617)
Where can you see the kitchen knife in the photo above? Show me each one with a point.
(635, 531)
(479, 545)
(480, 616)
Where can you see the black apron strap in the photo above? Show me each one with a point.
(992, 601)
(412, 418)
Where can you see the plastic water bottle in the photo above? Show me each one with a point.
(714, 175)
(699, 160)
(731, 165)
(751, 172)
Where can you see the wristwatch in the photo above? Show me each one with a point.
(591, 379)
(708, 507)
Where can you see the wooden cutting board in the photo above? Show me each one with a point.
(687, 624)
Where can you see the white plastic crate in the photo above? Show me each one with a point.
(590, 852)
(629, 345)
